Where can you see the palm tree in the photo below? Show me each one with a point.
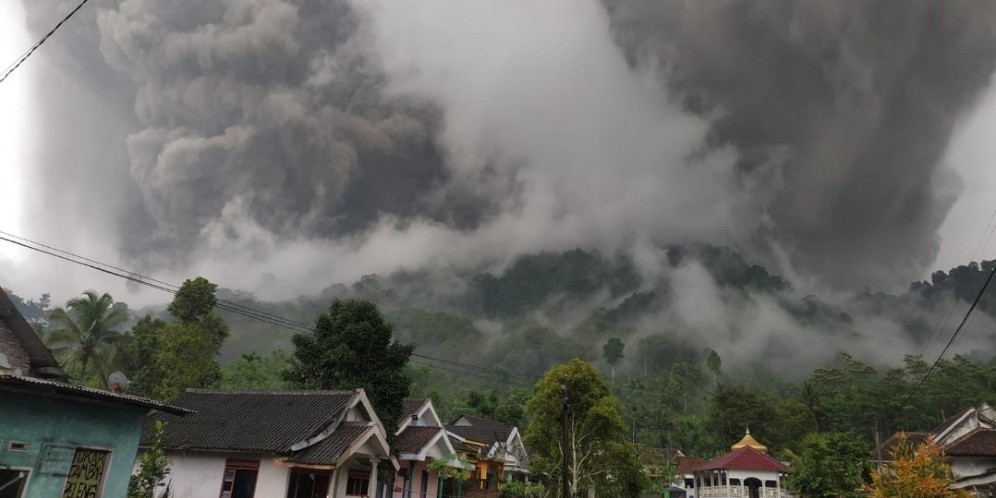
(84, 331)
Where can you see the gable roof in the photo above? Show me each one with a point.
(487, 435)
(42, 363)
(473, 421)
(745, 458)
(949, 424)
(333, 447)
(260, 421)
(411, 407)
(415, 438)
(979, 442)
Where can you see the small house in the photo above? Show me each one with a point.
(494, 449)
(56, 438)
(421, 440)
(275, 444)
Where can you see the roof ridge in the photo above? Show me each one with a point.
(271, 391)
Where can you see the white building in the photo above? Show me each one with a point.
(745, 472)
(275, 444)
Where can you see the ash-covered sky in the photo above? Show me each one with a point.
(279, 146)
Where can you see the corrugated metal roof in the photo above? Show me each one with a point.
(33, 385)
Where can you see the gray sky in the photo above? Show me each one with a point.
(281, 146)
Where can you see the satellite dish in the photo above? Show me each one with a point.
(117, 382)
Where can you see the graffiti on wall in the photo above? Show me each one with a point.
(86, 474)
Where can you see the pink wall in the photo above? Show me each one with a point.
(416, 484)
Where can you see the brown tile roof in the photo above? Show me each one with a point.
(409, 407)
(889, 445)
(687, 463)
(980, 442)
(414, 439)
(249, 421)
(328, 450)
(41, 362)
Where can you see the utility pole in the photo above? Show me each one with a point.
(564, 471)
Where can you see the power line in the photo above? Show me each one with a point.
(20, 60)
(235, 308)
(954, 335)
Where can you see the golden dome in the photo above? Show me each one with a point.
(749, 440)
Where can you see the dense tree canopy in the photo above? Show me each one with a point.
(353, 346)
(85, 331)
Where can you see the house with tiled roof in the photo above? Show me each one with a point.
(494, 448)
(746, 471)
(969, 440)
(274, 444)
(421, 440)
(58, 438)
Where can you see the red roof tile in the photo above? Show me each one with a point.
(745, 458)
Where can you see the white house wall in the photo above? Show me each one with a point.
(195, 476)
(200, 475)
(967, 466)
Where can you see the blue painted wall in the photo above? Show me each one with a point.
(55, 427)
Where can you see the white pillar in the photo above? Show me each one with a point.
(778, 488)
(729, 490)
(372, 483)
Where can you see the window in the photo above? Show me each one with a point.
(240, 479)
(86, 473)
(13, 482)
(357, 483)
(308, 485)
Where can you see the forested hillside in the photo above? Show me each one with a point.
(698, 348)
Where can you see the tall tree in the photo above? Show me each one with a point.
(193, 305)
(715, 363)
(353, 346)
(830, 465)
(137, 356)
(85, 330)
(613, 353)
(599, 455)
(918, 471)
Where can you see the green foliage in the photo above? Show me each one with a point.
(597, 443)
(832, 465)
(734, 409)
(186, 358)
(497, 404)
(353, 346)
(85, 332)
(153, 467)
(255, 371)
(137, 356)
(519, 489)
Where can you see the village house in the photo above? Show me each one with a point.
(274, 444)
(747, 471)
(59, 439)
(493, 448)
(421, 440)
(969, 442)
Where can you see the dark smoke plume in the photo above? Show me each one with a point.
(840, 111)
(275, 132)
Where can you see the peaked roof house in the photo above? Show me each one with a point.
(59, 439)
(421, 440)
(747, 471)
(294, 444)
(494, 448)
(969, 441)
